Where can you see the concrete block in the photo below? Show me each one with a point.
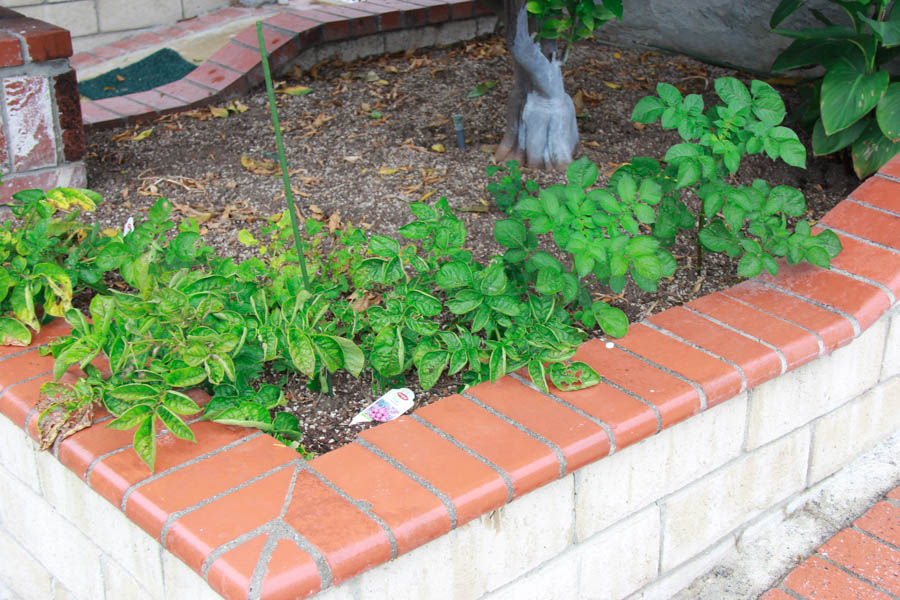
(854, 428)
(890, 365)
(484, 554)
(796, 398)
(410, 39)
(486, 25)
(80, 17)
(60, 546)
(621, 484)
(181, 582)
(714, 506)
(454, 31)
(17, 454)
(108, 527)
(121, 584)
(20, 573)
(360, 48)
(762, 525)
(192, 8)
(116, 15)
(554, 580)
(681, 577)
(621, 559)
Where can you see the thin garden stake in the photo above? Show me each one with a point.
(281, 159)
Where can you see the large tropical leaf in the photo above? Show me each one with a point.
(823, 143)
(888, 113)
(848, 93)
(872, 150)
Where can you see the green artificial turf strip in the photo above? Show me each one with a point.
(162, 67)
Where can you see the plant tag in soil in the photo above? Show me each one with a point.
(128, 227)
(387, 408)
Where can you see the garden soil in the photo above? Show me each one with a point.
(373, 135)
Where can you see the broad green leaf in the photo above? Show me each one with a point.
(102, 311)
(131, 418)
(750, 265)
(329, 351)
(818, 256)
(481, 89)
(426, 304)
(5, 283)
(180, 403)
(644, 213)
(830, 242)
(549, 281)
(423, 211)
(13, 333)
(510, 233)
(767, 104)
(803, 53)
(174, 424)
(688, 173)
(300, 348)
(465, 301)
(22, 302)
(494, 281)
(507, 305)
(872, 150)
(848, 93)
(888, 112)
(784, 9)
(388, 353)
(610, 319)
(497, 364)
(733, 93)
(887, 31)
(538, 375)
(668, 93)
(650, 192)
(135, 392)
(416, 230)
(716, 236)
(454, 274)
(112, 256)
(574, 376)
(186, 377)
(823, 144)
(431, 366)
(790, 200)
(582, 173)
(246, 414)
(145, 441)
(384, 246)
(648, 110)
(647, 266)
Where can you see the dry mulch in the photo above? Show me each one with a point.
(376, 134)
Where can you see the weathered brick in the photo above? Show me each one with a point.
(68, 107)
(68, 175)
(4, 153)
(30, 120)
(10, 51)
(43, 41)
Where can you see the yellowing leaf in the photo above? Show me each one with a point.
(426, 196)
(612, 85)
(239, 106)
(382, 82)
(218, 112)
(388, 170)
(259, 167)
(297, 90)
(617, 55)
(142, 135)
(438, 148)
(110, 232)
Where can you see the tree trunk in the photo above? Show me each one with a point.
(541, 130)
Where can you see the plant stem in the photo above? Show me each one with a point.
(281, 158)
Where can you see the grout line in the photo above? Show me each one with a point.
(858, 238)
(677, 337)
(448, 503)
(873, 536)
(891, 298)
(857, 330)
(818, 337)
(664, 369)
(31, 412)
(599, 422)
(185, 511)
(21, 352)
(563, 467)
(854, 574)
(873, 207)
(770, 346)
(510, 489)
(134, 486)
(217, 552)
(361, 505)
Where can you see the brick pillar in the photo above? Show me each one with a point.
(42, 137)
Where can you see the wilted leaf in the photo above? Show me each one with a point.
(259, 167)
(296, 90)
(142, 135)
(219, 112)
(612, 85)
(388, 170)
(438, 148)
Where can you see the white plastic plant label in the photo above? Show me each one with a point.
(387, 408)
(129, 226)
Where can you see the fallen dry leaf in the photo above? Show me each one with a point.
(260, 167)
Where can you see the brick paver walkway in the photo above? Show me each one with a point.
(861, 562)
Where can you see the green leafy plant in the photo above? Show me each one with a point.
(510, 187)
(856, 103)
(572, 20)
(44, 258)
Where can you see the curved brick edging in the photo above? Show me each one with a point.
(245, 512)
(237, 67)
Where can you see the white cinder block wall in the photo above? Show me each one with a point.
(97, 22)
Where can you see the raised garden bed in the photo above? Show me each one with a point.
(711, 418)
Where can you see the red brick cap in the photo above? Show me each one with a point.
(43, 40)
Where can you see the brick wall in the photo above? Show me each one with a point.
(42, 137)
(96, 22)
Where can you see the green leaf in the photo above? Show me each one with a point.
(793, 153)
(300, 348)
(102, 311)
(549, 281)
(888, 112)
(246, 414)
(818, 256)
(872, 150)
(493, 281)
(887, 31)
(180, 403)
(416, 230)
(574, 376)
(767, 103)
(174, 424)
(131, 418)
(13, 333)
(688, 173)
(145, 441)
(750, 265)
(508, 305)
(464, 302)
(716, 236)
(510, 233)
(388, 353)
(733, 93)
(453, 275)
(135, 392)
(112, 256)
(481, 89)
(246, 238)
(668, 93)
(823, 143)
(582, 173)
(329, 351)
(186, 377)
(848, 93)
(784, 9)
(431, 366)
(5, 282)
(648, 110)
(425, 304)
(610, 319)
(497, 364)
(22, 302)
(381, 245)
(644, 213)
(830, 242)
